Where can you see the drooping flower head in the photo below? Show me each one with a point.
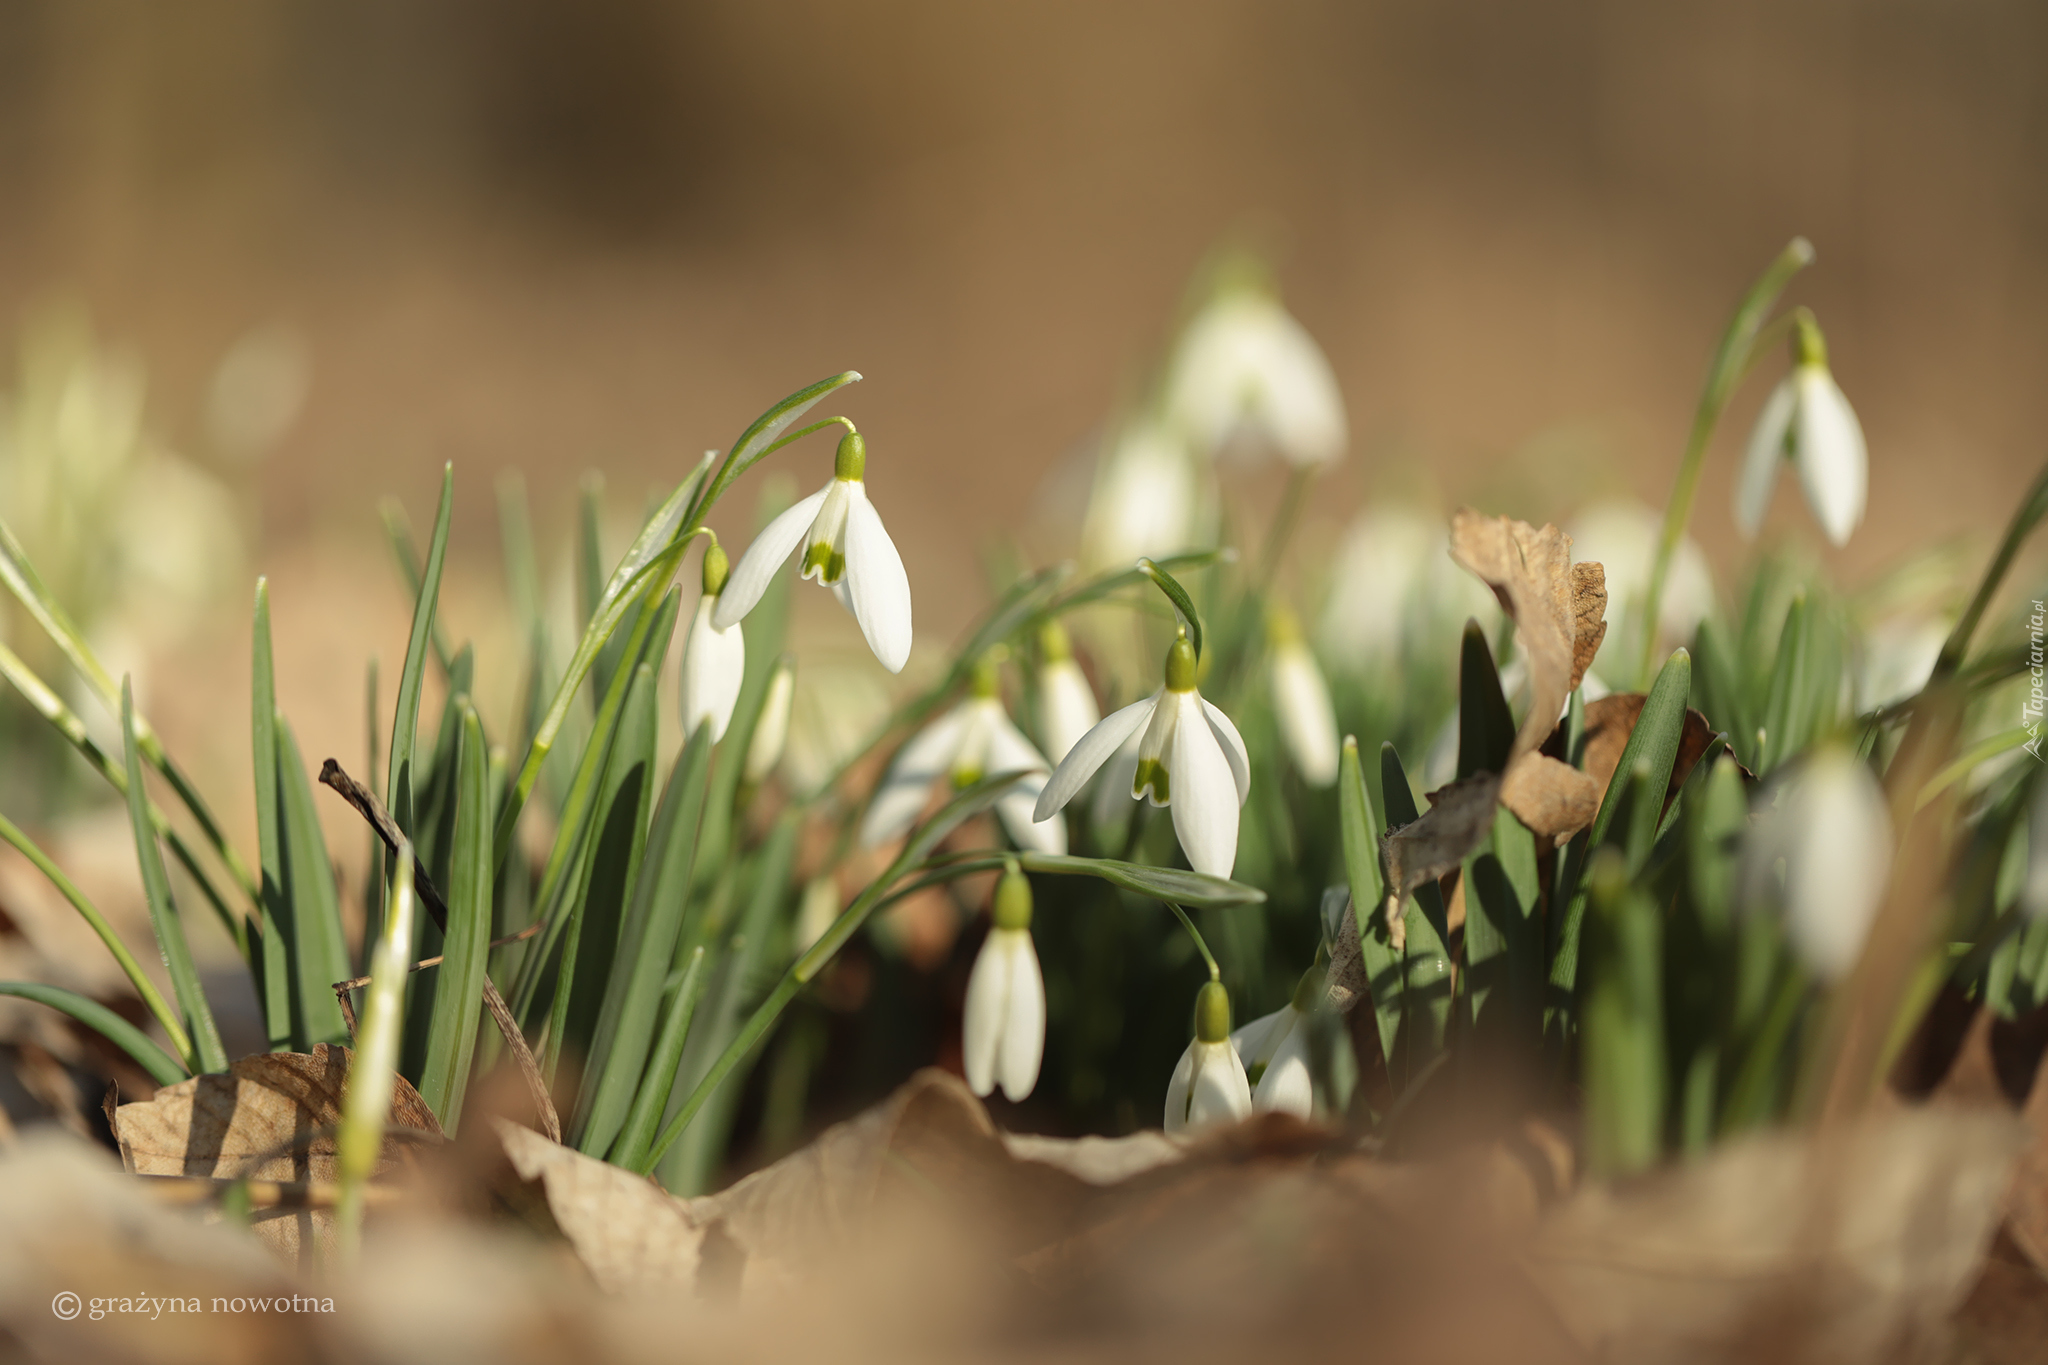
(1208, 1084)
(1274, 1049)
(845, 548)
(714, 660)
(960, 748)
(1833, 835)
(1003, 1023)
(1246, 376)
(1808, 421)
(1190, 757)
(771, 730)
(1301, 700)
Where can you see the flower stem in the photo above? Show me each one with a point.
(1731, 361)
(1215, 972)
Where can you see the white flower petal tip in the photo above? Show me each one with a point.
(776, 543)
(970, 741)
(1003, 1024)
(714, 664)
(1066, 707)
(1308, 722)
(1247, 375)
(1089, 754)
(875, 581)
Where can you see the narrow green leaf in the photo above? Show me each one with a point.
(163, 913)
(1368, 891)
(398, 532)
(400, 784)
(1426, 964)
(1177, 595)
(1623, 1052)
(646, 946)
(313, 926)
(652, 1092)
(1502, 948)
(1168, 885)
(166, 1017)
(619, 838)
(458, 1001)
(104, 1022)
(274, 985)
(1486, 727)
(377, 866)
(756, 440)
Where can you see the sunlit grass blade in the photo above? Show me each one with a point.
(458, 1000)
(1503, 945)
(103, 1021)
(646, 946)
(618, 841)
(400, 778)
(1623, 1064)
(652, 1094)
(967, 804)
(373, 1071)
(319, 944)
(20, 577)
(152, 999)
(163, 913)
(686, 1169)
(398, 532)
(66, 722)
(375, 869)
(1361, 837)
(1178, 595)
(274, 980)
(1426, 963)
(1191, 890)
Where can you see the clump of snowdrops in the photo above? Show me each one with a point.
(1699, 857)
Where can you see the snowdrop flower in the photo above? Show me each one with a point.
(1301, 700)
(1190, 758)
(714, 660)
(1144, 501)
(1808, 420)
(1246, 375)
(771, 731)
(1066, 704)
(1208, 1084)
(1274, 1048)
(1003, 1029)
(846, 548)
(1395, 592)
(1834, 836)
(965, 745)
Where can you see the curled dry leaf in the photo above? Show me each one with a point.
(1559, 608)
(622, 1226)
(1459, 818)
(1555, 800)
(267, 1117)
(1854, 1242)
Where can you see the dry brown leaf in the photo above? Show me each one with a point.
(1459, 818)
(1099, 1160)
(268, 1117)
(1558, 610)
(623, 1227)
(1852, 1243)
(1555, 800)
(1610, 721)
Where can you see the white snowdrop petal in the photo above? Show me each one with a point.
(1177, 1091)
(714, 665)
(1218, 1092)
(1287, 1086)
(1205, 798)
(1255, 1040)
(876, 582)
(1066, 707)
(1007, 750)
(1232, 744)
(1113, 788)
(1838, 851)
(777, 542)
(1022, 1045)
(908, 785)
(1760, 463)
(1094, 749)
(1834, 467)
(1308, 723)
(987, 1005)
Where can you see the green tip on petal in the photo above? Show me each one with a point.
(1180, 666)
(851, 463)
(1013, 901)
(717, 569)
(1212, 1013)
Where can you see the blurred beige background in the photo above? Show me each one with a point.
(553, 236)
